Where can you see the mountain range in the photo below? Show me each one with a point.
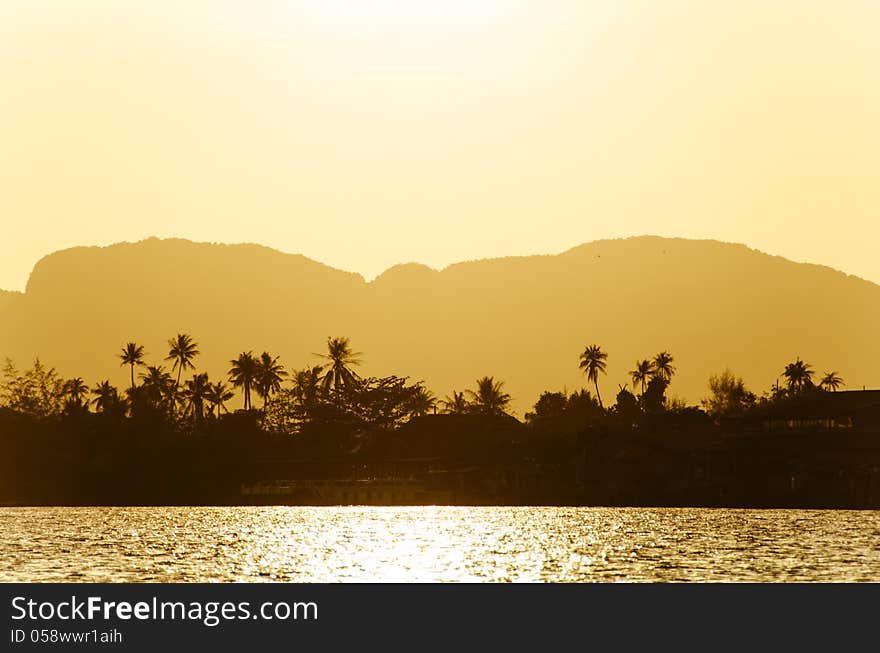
(523, 320)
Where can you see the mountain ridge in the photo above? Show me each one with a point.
(523, 319)
(571, 250)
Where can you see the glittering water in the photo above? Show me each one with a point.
(436, 544)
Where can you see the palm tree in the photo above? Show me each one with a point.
(268, 377)
(196, 392)
(456, 404)
(218, 394)
(243, 374)
(339, 374)
(307, 384)
(158, 383)
(106, 397)
(798, 375)
(422, 401)
(640, 375)
(75, 390)
(592, 362)
(181, 350)
(663, 368)
(831, 382)
(132, 354)
(489, 397)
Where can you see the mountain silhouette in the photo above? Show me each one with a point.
(7, 297)
(523, 320)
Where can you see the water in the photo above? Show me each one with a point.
(303, 544)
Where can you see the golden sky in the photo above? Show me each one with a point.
(373, 132)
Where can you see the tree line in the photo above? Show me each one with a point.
(334, 392)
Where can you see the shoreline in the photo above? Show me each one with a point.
(653, 506)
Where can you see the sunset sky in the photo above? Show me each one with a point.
(369, 133)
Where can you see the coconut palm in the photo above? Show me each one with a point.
(798, 375)
(422, 401)
(106, 397)
(75, 390)
(268, 377)
(182, 350)
(132, 354)
(592, 361)
(663, 368)
(640, 375)
(489, 397)
(455, 404)
(196, 392)
(218, 394)
(831, 382)
(158, 383)
(307, 384)
(339, 376)
(243, 374)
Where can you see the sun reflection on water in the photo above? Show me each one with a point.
(435, 544)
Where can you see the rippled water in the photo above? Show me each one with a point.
(436, 544)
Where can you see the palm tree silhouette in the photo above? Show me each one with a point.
(339, 375)
(662, 364)
(307, 384)
(831, 381)
(640, 375)
(106, 397)
(243, 374)
(158, 383)
(592, 361)
(181, 350)
(798, 375)
(489, 397)
(218, 394)
(456, 404)
(196, 392)
(422, 401)
(268, 377)
(132, 354)
(75, 390)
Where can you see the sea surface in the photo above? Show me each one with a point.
(390, 544)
